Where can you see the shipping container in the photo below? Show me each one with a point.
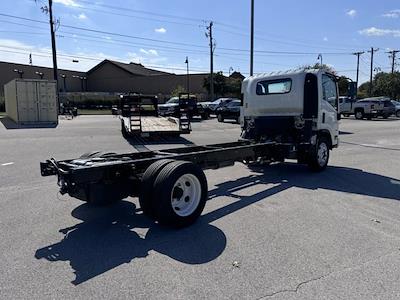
(30, 101)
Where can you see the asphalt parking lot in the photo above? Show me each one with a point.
(280, 232)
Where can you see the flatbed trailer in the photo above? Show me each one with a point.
(139, 117)
(104, 178)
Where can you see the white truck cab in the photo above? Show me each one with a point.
(299, 107)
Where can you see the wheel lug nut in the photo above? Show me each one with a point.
(187, 199)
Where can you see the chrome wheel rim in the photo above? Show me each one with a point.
(186, 195)
(359, 115)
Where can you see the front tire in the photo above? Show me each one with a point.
(319, 156)
(359, 114)
(220, 118)
(181, 194)
(398, 114)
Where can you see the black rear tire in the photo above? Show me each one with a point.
(220, 118)
(165, 189)
(204, 116)
(359, 114)
(319, 156)
(146, 188)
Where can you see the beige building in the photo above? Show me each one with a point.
(109, 77)
(10, 71)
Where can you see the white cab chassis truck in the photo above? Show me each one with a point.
(297, 109)
(287, 116)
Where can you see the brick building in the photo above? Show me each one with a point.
(108, 76)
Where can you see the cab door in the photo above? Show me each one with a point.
(328, 118)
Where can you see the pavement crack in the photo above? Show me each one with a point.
(299, 285)
(297, 288)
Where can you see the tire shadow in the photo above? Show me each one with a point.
(106, 239)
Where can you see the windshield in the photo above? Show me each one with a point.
(329, 90)
(173, 100)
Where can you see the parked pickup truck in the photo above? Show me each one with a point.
(368, 108)
(172, 107)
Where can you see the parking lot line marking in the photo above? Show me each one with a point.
(7, 164)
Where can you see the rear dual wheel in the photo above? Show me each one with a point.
(175, 193)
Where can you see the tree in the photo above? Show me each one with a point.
(343, 84)
(384, 84)
(363, 90)
(319, 66)
(387, 84)
(219, 83)
(178, 90)
(234, 87)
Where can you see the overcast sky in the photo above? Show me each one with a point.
(160, 34)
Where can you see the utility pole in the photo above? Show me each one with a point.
(209, 34)
(53, 40)
(252, 40)
(372, 69)
(358, 64)
(393, 54)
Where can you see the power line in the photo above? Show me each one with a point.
(178, 43)
(48, 54)
(285, 41)
(106, 32)
(141, 17)
(141, 11)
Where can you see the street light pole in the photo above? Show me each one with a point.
(252, 40)
(187, 75)
(321, 59)
(64, 79)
